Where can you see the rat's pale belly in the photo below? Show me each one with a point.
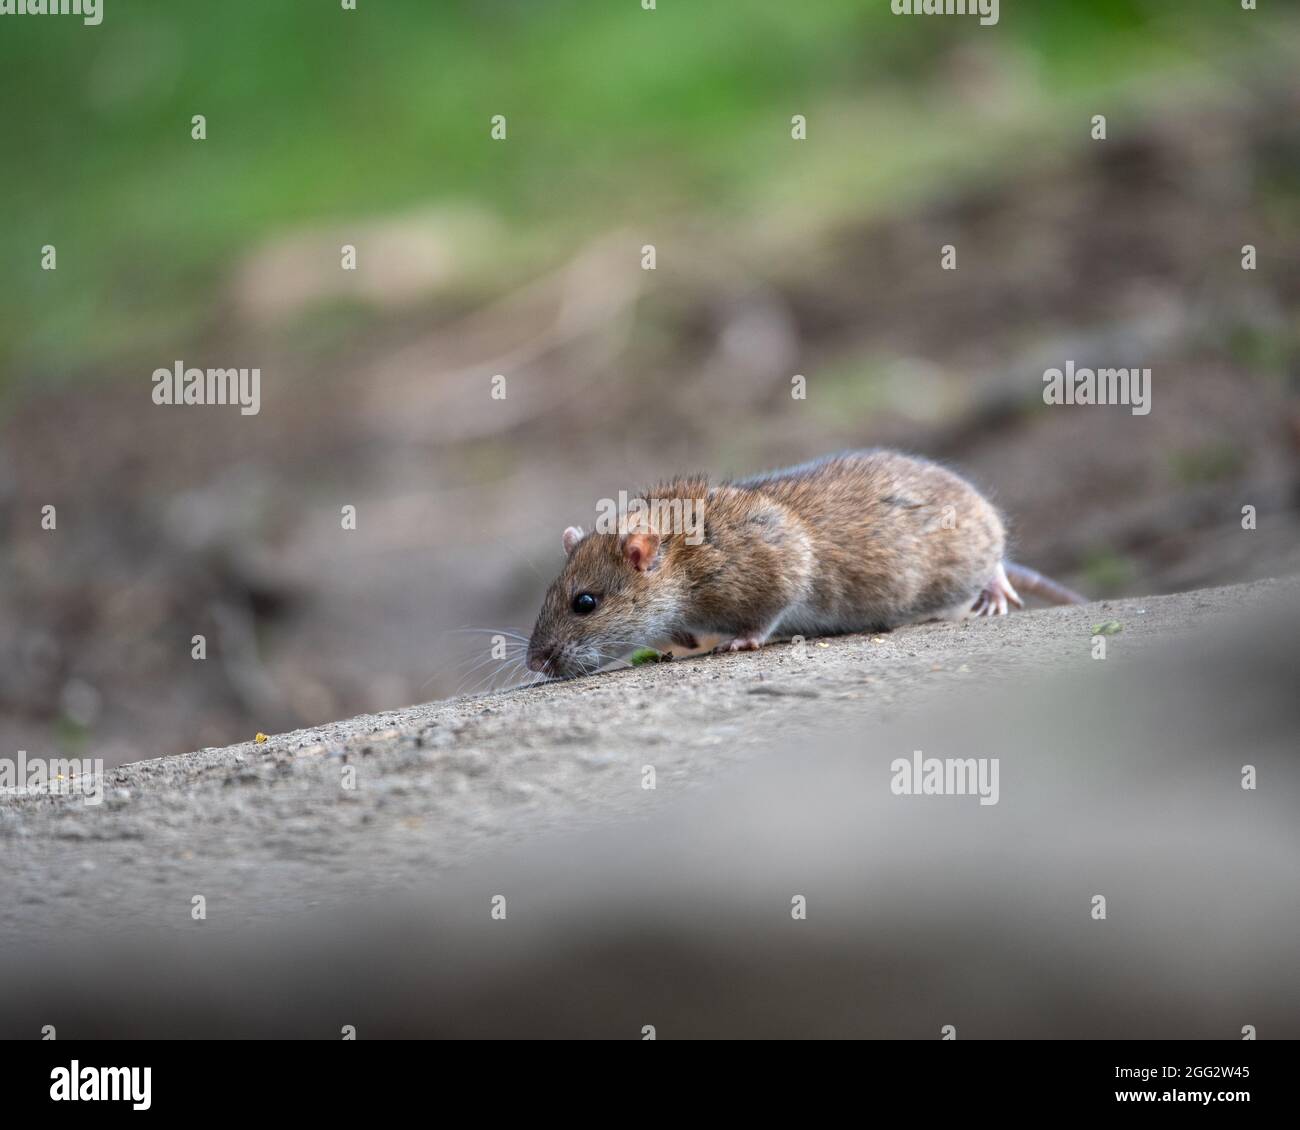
(804, 620)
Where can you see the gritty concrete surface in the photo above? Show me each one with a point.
(265, 829)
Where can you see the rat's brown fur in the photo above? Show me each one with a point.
(855, 542)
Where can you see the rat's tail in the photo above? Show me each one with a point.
(1028, 581)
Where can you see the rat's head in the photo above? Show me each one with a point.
(612, 596)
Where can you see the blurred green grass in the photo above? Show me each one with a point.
(614, 113)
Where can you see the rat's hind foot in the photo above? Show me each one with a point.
(741, 643)
(993, 601)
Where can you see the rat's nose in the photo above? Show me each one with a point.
(541, 659)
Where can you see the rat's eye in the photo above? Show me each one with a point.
(585, 603)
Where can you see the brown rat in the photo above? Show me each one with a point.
(856, 542)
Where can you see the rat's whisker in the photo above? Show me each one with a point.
(485, 683)
(502, 664)
(512, 644)
(512, 668)
(533, 679)
(610, 657)
(478, 666)
(507, 634)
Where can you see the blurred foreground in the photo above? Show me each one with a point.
(628, 907)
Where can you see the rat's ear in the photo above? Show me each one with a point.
(639, 549)
(570, 538)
